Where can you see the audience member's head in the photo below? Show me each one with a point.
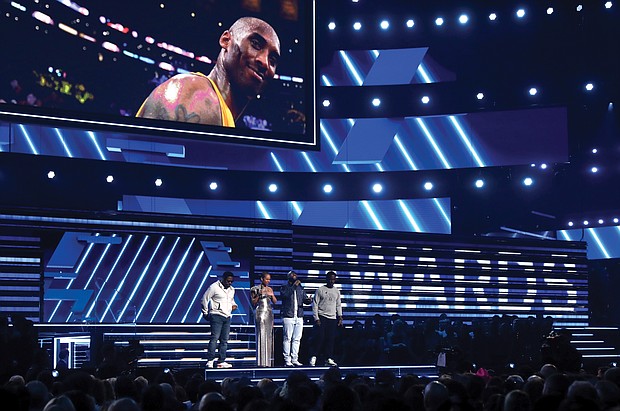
(556, 384)
(436, 396)
(340, 398)
(39, 395)
(124, 404)
(517, 400)
(547, 370)
(59, 403)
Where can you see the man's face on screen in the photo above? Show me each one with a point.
(252, 56)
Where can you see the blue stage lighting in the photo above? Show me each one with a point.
(109, 178)
(385, 25)
(579, 7)
(428, 186)
(589, 86)
(594, 169)
(543, 166)
(480, 96)
(327, 188)
(528, 181)
(213, 185)
(51, 174)
(326, 103)
(616, 221)
(273, 188)
(570, 224)
(601, 221)
(463, 18)
(479, 183)
(608, 4)
(586, 222)
(438, 21)
(520, 13)
(410, 23)
(376, 102)
(377, 188)
(550, 10)
(533, 91)
(357, 25)
(492, 16)
(331, 25)
(159, 182)
(425, 100)
(594, 151)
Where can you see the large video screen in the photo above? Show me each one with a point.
(223, 70)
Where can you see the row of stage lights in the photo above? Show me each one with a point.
(532, 91)
(587, 223)
(463, 19)
(327, 188)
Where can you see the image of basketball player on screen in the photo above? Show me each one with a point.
(248, 58)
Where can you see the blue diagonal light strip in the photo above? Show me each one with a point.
(63, 143)
(598, 241)
(122, 282)
(466, 140)
(86, 254)
(372, 214)
(277, 162)
(139, 282)
(28, 140)
(188, 279)
(110, 272)
(352, 69)
(156, 282)
(308, 161)
(445, 215)
(172, 281)
(263, 210)
(94, 140)
(432, 141)
(197, 295)
(410, 218)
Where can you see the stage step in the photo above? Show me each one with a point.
(597, 345)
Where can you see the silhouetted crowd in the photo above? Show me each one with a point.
(548, 389)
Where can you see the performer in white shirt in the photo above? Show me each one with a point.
(218, 303)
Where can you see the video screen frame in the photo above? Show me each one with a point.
(306, 139)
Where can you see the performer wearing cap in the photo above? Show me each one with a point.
(293, 298)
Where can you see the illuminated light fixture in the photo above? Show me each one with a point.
(533, 91)
(425, 100)
(543, 166)
(326, 103)
(589, 86)
(532, 165)
(528, 181)
(438, 21)
(376, 102)
(109, 178)
(162, 5)
(327, 188)
(580, 7)
(479, 183)
(463, 18)
(586, 222)
(520, 13)
(355, 1)
(615, 221)
(384, 25)
(492, 16)
(331, 25)
(159, 182)
(428, 186)
(600, 221)
(570, 224)
(594, 151)
(357, 25)
(610, 106)
(594, 169)
(608, 6)
(377, 188)
(550, 10)
(410, 23)
(213, 185)
(479, 96)
(273, 188)
(51, 174)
